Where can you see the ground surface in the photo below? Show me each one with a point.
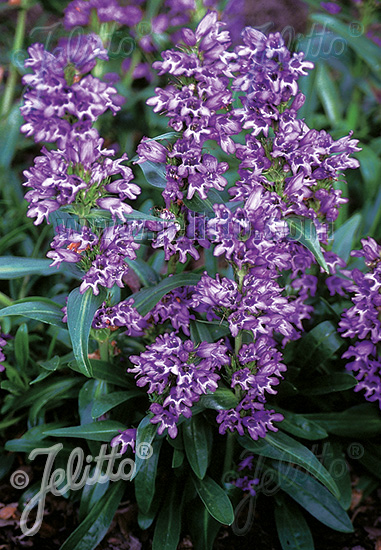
(60, 519)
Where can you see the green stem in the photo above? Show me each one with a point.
(5, 300)
(18, 42)
(228, 461)
(104, 350)
(172, 264)
(135, 60)
(52, 346)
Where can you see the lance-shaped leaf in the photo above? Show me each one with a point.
(12, 267)
(303, 230)
(81, 309)
(146, 299)
(42, 310)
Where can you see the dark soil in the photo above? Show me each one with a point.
(61, 518)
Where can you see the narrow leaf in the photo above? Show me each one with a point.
(107, 402)
(104, 430)
(145, 479)
(292, 528)
(146, 299)
(93, 529)
(154, 173)
(46, 311)
(168, 524)
(315, 498)
(197, 442)
(284, 448)
(215, 499)
(303, 230)
(12, 267)
(81, 309)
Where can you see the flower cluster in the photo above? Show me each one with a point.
(78, 13)
(236, 132)
(284, 170)
(177, 373)
(61, 95)
(100, 257)
(61, 104)
(247, 482)
(148, 33)
(80, 175)
(362, 321)
(3, 343)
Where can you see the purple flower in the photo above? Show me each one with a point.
(149, 149)
(3, 343)
(101, 258)
(125, 439)
(331, 7)
(174, 307)
(362, 321)
(123, 314)
(66, 176)
(78, 13)
(180, 373)
(57, 88)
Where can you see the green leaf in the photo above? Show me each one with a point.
(362, 421)
(297, 424)
(329, 383)
(292, 528)
(205, 331)
(215, 499)
(22, 346)
(344, 237)
(197, 444)
(221, 399)
(154, 173)
(313, 497)
(146, 520)
(364, 48)
(81, 309)
(177, 458)
(12, 267)
(27, 445)
(91, 494)
(6, 463)
(146, 274)
(51, 364)
(303, 230)
(203, 527)
(334, 461)
(146, 299)
(284, 448)
(105, 371)
(196, 204)
(369, 455)
(107, 402)
(145, 479)
(91, 391)
(200, 332)
(370, 167)
(93, 529)
(328, 93)
(104, 430)
(168, 524)
(319, 344)
(45, 311)
(45, 392)
(145, 434)
(9, 135)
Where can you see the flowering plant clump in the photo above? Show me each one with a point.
(200, 309)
